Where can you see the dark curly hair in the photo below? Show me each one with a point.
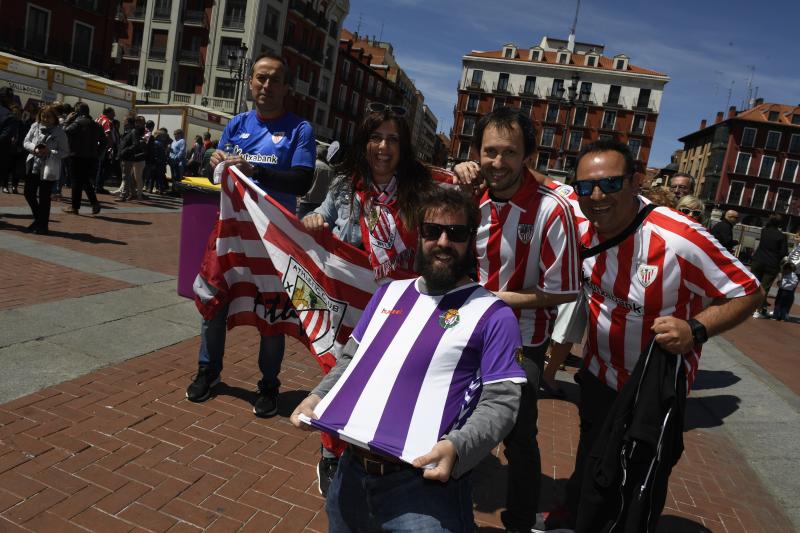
(413, 178)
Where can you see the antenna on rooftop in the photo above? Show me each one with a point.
(358, 26)
(380, 35)
(750, 96)
(571, 42)
(730, 92)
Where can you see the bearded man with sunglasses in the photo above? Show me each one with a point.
(527, 254)
(666, 278)
(428, 383)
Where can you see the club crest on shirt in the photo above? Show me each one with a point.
(278, 136)
(319, 314)
(564, 191)
(646, 274)
(449, 318)
(525, 232)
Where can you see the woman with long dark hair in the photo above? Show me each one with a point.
(372, 203)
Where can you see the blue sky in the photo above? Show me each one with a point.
(705, 46)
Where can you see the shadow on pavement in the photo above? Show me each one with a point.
(678, 524)
(714, 379)
(287, 401)
(123, 220)
(709, 411)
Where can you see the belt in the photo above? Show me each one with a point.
(377, 465)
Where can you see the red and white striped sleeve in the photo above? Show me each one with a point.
(559, 263)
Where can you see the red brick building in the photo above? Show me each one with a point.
(358, 81)
(573, 93)
(74, 33)
(748, 161)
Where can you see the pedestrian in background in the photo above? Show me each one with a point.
(87, 143)
(195, 157)
(132, 153)
(723, 230)
(766, 261)
(9, 130)
(177, 156)
(106, 122)
(46, 144)
(786, 287)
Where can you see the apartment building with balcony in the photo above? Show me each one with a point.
(187, 51)
(357, 82)
(75, 33)
(748, 161)
(573, 92)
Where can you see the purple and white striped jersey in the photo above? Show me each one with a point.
(420, 366)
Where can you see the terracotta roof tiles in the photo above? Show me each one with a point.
(606, 63)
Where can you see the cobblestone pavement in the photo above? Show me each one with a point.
(119, 448)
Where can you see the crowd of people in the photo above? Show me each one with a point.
(56, 145)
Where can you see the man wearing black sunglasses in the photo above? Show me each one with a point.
(527, 254)
(666, 277)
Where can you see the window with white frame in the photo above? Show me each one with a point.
(783, 200)
(794, 143)
(468, 128)
(735, 193)
(773, 140)
(477, 78)
(37, 29)
(591, 61)
(536, 55)
(525, 107)
(575, 140)
(543, 161)
(563, 58)
(749, 137)
(472, 102)
(759, 196)
(580, 116)
(789, 170)
(463, 150)
(552, 113)
(767, 164)
(635, 145)
(609, 120)
(619, 64)
(82, 43)
(498, 103)
(548, 134)
(742, 163)
(638, 124)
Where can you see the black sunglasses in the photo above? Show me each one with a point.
(379, 107)
(609, 184)
(696, 213)
(431, 231)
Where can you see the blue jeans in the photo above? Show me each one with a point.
(176, 169)
(402, 501)
(212, 349)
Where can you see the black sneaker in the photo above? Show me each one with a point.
(326, 469)
(200, 389)
(267, 402)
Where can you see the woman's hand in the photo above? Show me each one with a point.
(306, 408)
(314, 222)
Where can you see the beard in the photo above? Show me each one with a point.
(442, 278)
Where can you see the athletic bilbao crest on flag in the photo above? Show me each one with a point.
(319, 314)
(646, 274)
(278, 136)
(525, 233)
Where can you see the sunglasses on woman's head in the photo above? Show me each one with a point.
(431, 231)
(379, 107)
(609, 184)
(696, 213)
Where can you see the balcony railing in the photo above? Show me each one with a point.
(162, 13)
(138, 13)
(190, 57)
(611, 102)
(195, 17)
(301, 86)
(474, 85)
(157, 53)
(530, 92)
(503, 88)
(233, 22)
(134, 50)
(648, 105)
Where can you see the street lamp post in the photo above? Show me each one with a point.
(237, 66)
(574, 98)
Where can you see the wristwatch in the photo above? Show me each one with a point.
(699, 333)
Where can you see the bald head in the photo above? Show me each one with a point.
(731, 216)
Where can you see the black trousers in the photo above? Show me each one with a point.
(595, 404)
(83, 171)
(37, 193)
(522, 448)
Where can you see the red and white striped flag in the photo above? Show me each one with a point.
(280, 278)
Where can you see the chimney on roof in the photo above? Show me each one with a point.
(703, 124)
(732, 111)
(719, 117)
(759, 101)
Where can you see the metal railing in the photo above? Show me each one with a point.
(134, 50)
(235, 22)
(649, 105)
(138, 13)
(189, 56)
(195, 17)
(162, 13)
(502, 88)
(473, 85)
(157, 53)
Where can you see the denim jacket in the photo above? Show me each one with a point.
(336, 211)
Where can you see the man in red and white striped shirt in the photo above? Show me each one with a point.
(669, 279)
(527, 255)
